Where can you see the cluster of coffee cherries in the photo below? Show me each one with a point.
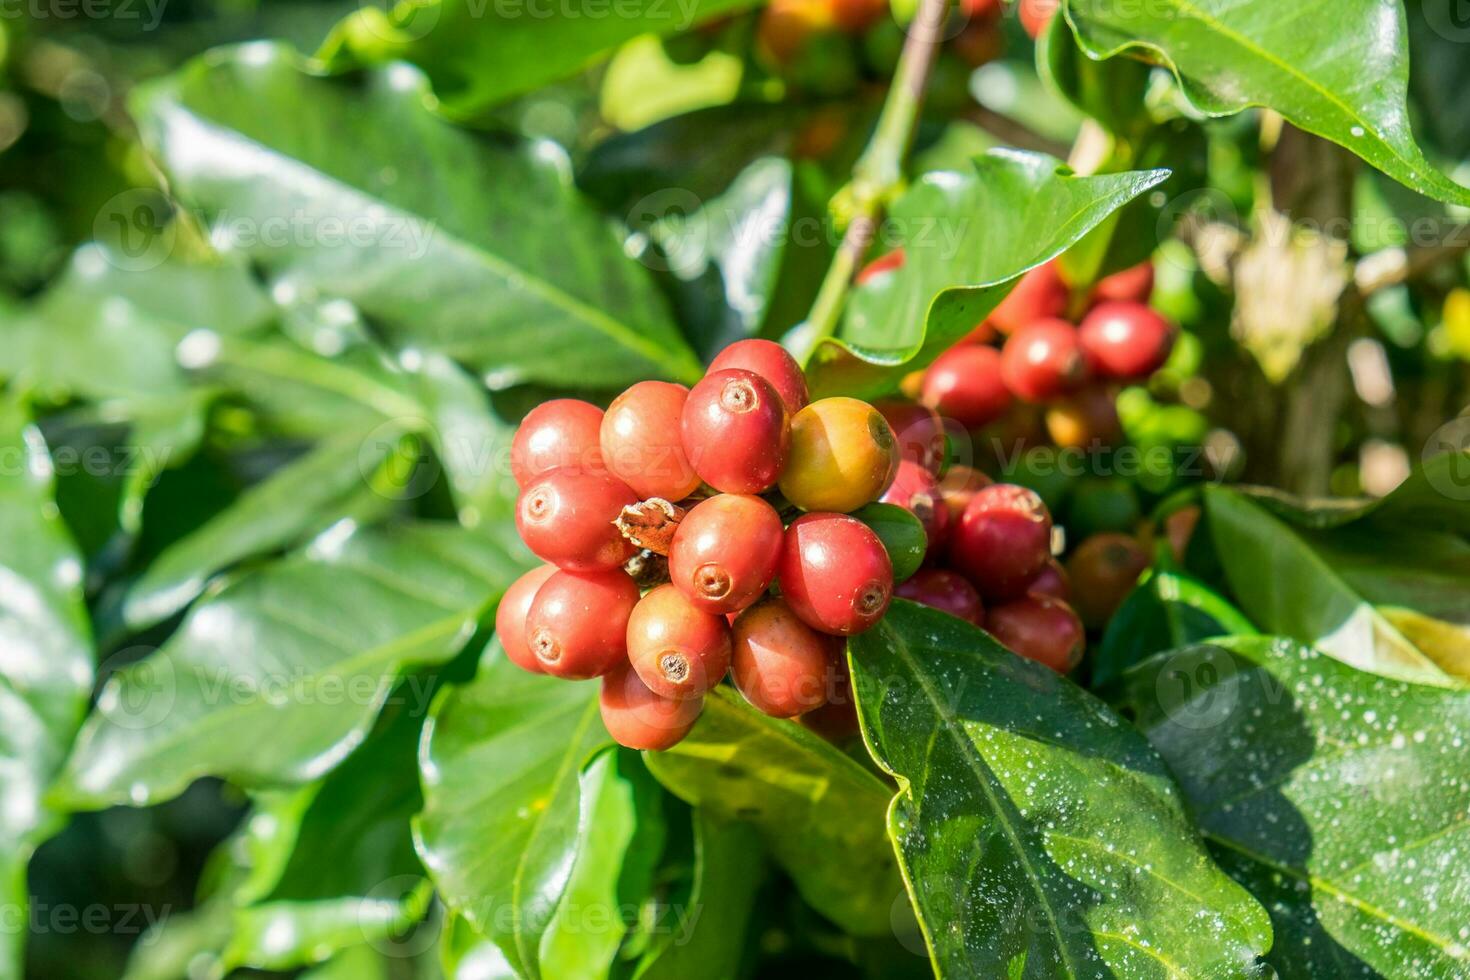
(664, 522)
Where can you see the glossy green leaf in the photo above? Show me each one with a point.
(1287, 586)
(1166, 611)
(495, 261)
(819, 813)
(966, 238)
(1337, 68)
(478, 55)
(1337, 797)
(1038, 833)
(1112, 92)
(500, 764)
(269, 682)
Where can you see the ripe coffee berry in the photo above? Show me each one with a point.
(736, 431)
(919, 430)
(835, 574)
(1039, 628)
(1036, 14)
(837, 720)
(843, 455)
(770, 361)
(1087, 419)
(575, 627)
(678, 650)
(1040, 294)
(958, 487)
(510, 617)
(1043, 361)
(890, 262)
(1104, 569)
(725, 551)
(641, 441)
(638, 718)
(566, 517)
(1125, 340)
(560, 434)
(916, 491)
(1133, 285)
(1052, 580)
(1003, 539)
(946, 591)
(782, 666)
(965, 384)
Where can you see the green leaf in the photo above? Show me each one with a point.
(1287, 585)
(1037, 831)
(269, 682)
(1337, 68)
(1166, 611)
(477, 57)
(45, 659)
(818, 811)
(1338, 797)
(495, 261)
(1112, 92)
(966, 238)
(500, 765)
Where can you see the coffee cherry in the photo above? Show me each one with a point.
(1052, 580)
(1036, 14)
(638, 718)
(641, 441)
(958, 487)
(770, 361)
(1133, 285)
(736, 432)
(782, 666)
(1039, 628)
(566, 517)
(1043, 360)
(916, 491)
(837, 720)
(1125, 340)
(889, 262)
(678, 650)
(559, 434)
(1104, 569)
(945, 591)
(1087, 419)
(843, 455)
(510, 617)
(1002, 540)
(575, 627)
(965, 384)
(725, 551)
(785, 27)
(1041, 294)
(835, 574)
(919, 430)
(856, 16)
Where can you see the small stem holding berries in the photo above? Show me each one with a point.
(878, 171)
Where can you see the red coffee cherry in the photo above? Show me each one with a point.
(920, 432)
(724, 553)
(1043, 361)
(559, 434)
(678, 650)
(638, 718)
(890, 262)
(782, 666)
(1052, 580)
(837, 720)
(641, 441)
(945, 591)
(1039, 628)
(1003, 539)
(510, 617)
(769, 360)
(565, 517)
(1036, 14)
(1125, 340)
(1039, 295)
(835, 574)
(576, 625)
(736, 432)
(1133, 285)
(1104, 569)
(958, 487)
(916, 491)
(965, 384)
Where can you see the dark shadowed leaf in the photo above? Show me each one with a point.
(1166, 611)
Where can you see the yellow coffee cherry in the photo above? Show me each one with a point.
(843, 455)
